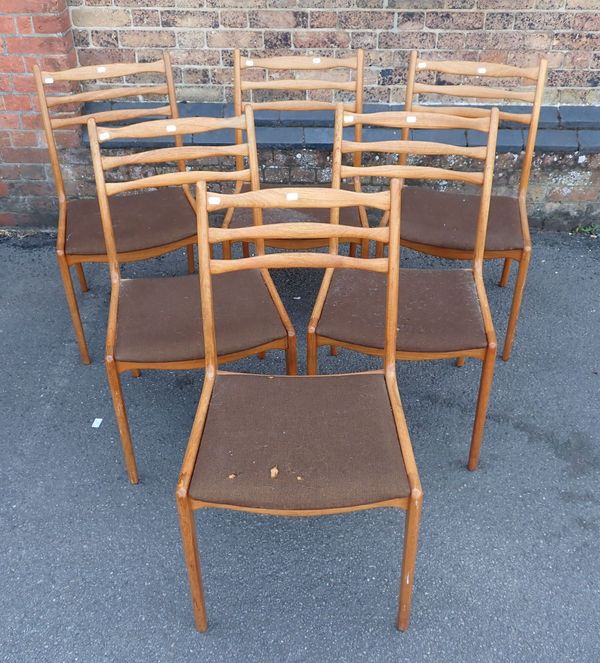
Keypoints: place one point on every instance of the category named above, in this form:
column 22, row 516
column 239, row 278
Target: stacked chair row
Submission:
column 321, row 465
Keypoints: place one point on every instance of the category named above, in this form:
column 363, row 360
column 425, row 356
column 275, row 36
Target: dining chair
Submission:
column 508, row 236
column 298, row 445
column 289, row 84
column 443, row 313
column 139, row 225
column 155, row 323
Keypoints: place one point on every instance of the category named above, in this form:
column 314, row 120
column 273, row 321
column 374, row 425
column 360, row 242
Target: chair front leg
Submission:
column 485, row 387
column 516, row 303
column 411, row 539
column 312, row 352
column 505, row 273
column 83, row 286
column 291, row 357
column 191, row 264
column 189, row 540
column 65, row 274
column 114, row 383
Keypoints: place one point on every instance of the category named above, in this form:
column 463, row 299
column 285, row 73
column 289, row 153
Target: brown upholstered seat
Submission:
column 448, row 219
column 159, row 319
column 243, row 217
column 331, row 438
column 140, row 221
column 438, row 310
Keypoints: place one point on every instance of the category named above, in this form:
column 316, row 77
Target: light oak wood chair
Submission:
column 286, row 84
column 156, row 322
column 508, row 235
column 302, row 445
column 443, row 313
column 139, row 227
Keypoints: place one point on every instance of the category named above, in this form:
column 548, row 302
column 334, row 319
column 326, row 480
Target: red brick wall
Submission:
column 201, row 33
column 30, row 31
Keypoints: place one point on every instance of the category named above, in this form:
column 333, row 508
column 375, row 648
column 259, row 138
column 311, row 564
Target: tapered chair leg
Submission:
column 114, row 382
column 73, row 308
column 516, row 303
column 226, row 250
column 83, row 286
column 505, row 273
column 312, row 351
column 411, row 539
column 245, row 249
column 191, row 264
column 352, row 250
column 135, row 372
column 333, row 350
column 460, row 362
column 364, row 248
column 261, row 355
column 291, row 358
column 192, row 560
column 485, row 387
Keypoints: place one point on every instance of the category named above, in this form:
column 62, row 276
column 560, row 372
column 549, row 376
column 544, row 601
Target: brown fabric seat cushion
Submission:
column 243, row 217
column 438, row 310
column 449, row 219
column 140, row 221
column 332, row 439
column 159, row 319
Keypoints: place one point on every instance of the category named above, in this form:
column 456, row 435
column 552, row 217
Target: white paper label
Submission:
column 214, row 200
column 411, row 119
column 481, row 70
column 348, row 118
column 97, row 423
column 101, row 70
column 48, row 80
column 422, row 65
column 171, row 127
column 104, row 135
column 291, row 196
column 316, row 60
column 249, row 63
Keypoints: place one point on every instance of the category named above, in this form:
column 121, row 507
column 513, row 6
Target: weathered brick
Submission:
column 233, row 19
column 373, row 20
column 189, row 19
column 100, row 17
column 52, row 23
column 454, row 20
column 277, row 19
column 321, row 39
column 147, row 38
column 238, row 38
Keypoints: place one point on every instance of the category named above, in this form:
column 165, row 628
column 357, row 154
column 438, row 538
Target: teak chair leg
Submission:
column 411, row 539
column 333, row 350
column 135, row 372
column 83, row 286
column 460, row 362
column 191, row 264
column 291, row 358
column 226, row 250
column 312, row 350
column 192, row 560
column 516, row 303
column 505, row 273
column 379, row 249
column 245, row 249
column 261, row 355
column 114, row 382
column 73, row 308
column 485, row 387
column 364, row 248
column 352, row 251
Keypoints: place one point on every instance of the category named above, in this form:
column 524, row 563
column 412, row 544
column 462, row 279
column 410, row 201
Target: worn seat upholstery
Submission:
column 448, row 219
column 438, row 310
column 140, row 221
column 159, row 319
column 332, row 439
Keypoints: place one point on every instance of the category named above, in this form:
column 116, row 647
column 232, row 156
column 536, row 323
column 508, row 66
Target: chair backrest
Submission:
column 302, row 198
column 66, row 104
column 487, row 123
column 528, row 87
column 179, row 155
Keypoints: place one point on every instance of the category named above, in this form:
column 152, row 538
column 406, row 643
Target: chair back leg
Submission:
column 516, row 303
column 65, row 274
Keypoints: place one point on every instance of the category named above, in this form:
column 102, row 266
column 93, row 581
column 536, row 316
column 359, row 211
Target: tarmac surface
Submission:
column 91, row 568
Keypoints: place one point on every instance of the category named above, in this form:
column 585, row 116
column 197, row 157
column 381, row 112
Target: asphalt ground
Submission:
column 508, row 569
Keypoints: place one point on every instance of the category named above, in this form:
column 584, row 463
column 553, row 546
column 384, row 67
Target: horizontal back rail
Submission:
column 163, row 155
column 97, row 72
column 490, row 69
column 302, row 260
column 298, row 62
column 418, row 120
column 303, row 198
column 103, row 95
column 109, row 116
column 298, row 84
column 413, row 173
column 298, row 230
column 299, row 105
column 414, row 147
column 473, row 111
column 171, row 127
column 474, row 91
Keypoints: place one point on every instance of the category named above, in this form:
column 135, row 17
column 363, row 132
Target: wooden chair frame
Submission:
column 487, row 123
column 537, row 76
column 294, row 64
column 181, row 177
column 45, row 79
column 333, row 233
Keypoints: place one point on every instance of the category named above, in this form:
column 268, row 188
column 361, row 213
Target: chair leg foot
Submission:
column 516, row 305
column 333, row 350
column 411, row 538
column 114, row 382
column 505, row 273
column 191, row 263
column 192, row 561
column 460, row 362
column 261, row 355
column 83, row 285
column 485, row 387
column 73, row 308
column 135, row 372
